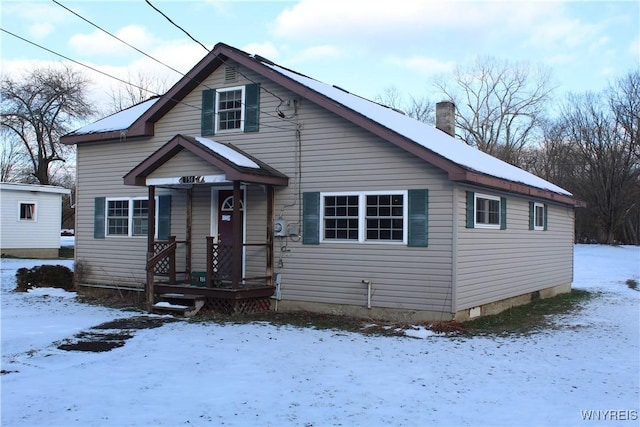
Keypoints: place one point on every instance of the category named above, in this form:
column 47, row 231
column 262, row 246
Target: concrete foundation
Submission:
column 377, row 313
column 505, row 304
column 34, row 253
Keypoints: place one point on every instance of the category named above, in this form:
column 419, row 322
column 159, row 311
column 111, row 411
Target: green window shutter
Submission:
column 470, row 209
column 99, row 217
column 418, row 233
column 251, row 107
column 503, row 213
column 532, row 215
column 311, row 218
column 208, row 123
column 545, row 218
column 164, row 217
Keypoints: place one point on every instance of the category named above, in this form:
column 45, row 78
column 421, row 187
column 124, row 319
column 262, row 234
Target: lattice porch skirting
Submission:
column 237, row 306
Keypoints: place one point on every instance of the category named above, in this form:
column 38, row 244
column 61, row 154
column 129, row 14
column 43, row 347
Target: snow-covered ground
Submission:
column 201, row 373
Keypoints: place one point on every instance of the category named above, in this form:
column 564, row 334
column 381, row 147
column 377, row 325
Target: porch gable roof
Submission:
column 235, row 163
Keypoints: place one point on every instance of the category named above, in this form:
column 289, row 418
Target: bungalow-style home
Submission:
column 31, row 220
column 248, row 186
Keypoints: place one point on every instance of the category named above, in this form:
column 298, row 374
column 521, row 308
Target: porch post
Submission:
column 187, row 262
column 270, row 219
column 151, row 232
column 236, row 253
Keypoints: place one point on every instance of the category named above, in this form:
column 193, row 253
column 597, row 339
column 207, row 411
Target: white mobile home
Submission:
column 248, row 183
column 31, row 220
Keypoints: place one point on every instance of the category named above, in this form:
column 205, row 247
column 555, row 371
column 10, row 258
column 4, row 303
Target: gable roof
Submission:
column 462, row 162
column 236, row 164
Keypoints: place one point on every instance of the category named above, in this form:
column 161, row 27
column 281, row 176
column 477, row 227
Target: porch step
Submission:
column 186, row 305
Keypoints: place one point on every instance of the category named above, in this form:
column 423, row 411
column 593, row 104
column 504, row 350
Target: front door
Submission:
column 225, row 231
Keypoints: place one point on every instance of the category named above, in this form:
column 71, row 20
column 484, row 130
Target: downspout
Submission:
column 368, row 282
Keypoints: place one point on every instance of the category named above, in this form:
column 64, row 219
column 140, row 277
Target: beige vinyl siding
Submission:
column 496, row 264
column 335, row 156
column 185, row 163
column 112, row 260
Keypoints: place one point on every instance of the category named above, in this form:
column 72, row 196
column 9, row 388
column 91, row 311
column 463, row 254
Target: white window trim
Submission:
column 130, row 218
column 35, row 211
column 217, row 104
column 475, row 212
column 362, row 204
column 536, row 227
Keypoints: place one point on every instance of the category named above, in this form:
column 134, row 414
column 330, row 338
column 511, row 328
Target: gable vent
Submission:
column 230, row 73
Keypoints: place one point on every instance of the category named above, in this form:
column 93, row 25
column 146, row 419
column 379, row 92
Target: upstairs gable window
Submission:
column 229, row 111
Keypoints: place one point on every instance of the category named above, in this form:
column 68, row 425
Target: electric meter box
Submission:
column 280, row 228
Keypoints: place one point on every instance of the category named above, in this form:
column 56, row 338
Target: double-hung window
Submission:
column 364, row 217
column 399, row 217
column 341, row 217
column 537, row 216
column 385, row 217
column 229, row 109
column 127, row 217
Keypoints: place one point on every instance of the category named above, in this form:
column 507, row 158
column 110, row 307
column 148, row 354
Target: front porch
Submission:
column 226, row 284
column 220, row 291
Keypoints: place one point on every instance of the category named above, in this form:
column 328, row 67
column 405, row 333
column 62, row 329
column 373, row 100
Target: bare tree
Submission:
column 500, row 105
column 39, row 108
column 11, row 157
column 141, row 87
column 421, row 109
column 604, row 130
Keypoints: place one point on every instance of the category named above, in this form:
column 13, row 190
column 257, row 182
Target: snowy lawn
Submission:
column 204, row 373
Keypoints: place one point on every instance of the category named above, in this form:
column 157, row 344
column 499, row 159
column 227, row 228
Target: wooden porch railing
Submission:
column 220, row 266
column 163, row 261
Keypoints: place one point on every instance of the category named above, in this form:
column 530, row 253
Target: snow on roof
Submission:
column 428, row 136
column 33, row 188
column 121, row 120
column 228, row 153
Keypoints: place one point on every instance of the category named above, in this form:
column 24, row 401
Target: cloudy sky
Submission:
column 364, row 46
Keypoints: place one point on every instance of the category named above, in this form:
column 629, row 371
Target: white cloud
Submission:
column 40, row 30
column 316, row 53
column 423, row 64
column 381, row 20
column 265, row 49
column 634, row 48
column 100, row 43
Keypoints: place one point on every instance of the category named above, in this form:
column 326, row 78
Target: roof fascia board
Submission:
column 514, row 187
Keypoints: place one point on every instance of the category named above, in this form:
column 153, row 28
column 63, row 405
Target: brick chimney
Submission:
column 446, row 117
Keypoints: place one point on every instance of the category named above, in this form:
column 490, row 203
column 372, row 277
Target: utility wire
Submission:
column 176, row 25
column 92, row 68
column 280, row 114
column 117, row 38
column 144, row 53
